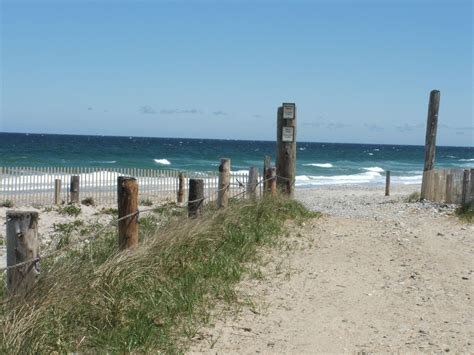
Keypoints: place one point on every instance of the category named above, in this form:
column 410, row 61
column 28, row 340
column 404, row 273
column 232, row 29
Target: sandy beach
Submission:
column 374, row 274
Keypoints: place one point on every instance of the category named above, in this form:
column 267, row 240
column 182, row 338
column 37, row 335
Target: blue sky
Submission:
column 359, row 71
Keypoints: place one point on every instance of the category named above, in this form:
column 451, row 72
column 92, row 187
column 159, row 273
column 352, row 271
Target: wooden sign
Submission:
column 287, row 134
column 288, row 111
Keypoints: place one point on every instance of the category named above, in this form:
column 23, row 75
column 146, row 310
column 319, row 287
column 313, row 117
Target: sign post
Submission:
column 286, row 148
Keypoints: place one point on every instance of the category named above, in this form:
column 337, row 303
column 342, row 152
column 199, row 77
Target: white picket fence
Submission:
column 26, row 186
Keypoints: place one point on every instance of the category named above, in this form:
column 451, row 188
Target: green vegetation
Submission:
column 414, row 197
column 7, row 204
column 146, row 202
column 71, row 210
column 466, row 212
column 95, row 299
column 88, row 201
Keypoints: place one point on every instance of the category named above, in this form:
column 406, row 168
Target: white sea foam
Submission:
column 375, row 169
column 363, row 178
column 371, row 153
column 104, row 161
column 162, row 161
column 323, row 165
column 466, row 159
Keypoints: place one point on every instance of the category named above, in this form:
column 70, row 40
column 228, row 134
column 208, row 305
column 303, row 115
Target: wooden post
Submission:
column 127, row 198
column 387, row 183
column 465, row 187
column 286, row 149
column 470, row 198
column 22, row 245
column 57, row 191
column 273, row 185
column 430, row 139
column 449, row 192
column 266, row 173
column 252, row 183
column 195, row 197
column 74, row 189
column 223, row 183
column 180, row 188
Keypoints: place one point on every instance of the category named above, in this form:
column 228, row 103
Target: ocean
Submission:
column 317, row 163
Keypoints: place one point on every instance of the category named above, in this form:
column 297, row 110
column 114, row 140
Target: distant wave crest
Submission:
column 374, row 169
column 323, row 165
column 466, row 159
column 162, row 161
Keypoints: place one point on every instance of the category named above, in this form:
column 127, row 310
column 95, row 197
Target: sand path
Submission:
column 375, row 274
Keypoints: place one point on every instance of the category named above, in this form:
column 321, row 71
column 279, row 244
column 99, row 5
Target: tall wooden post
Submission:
column 127, row 198
column 286, row 148
column 252, row 182
column 223, row 183
column 74, row 189
column 273, row 185
column 180, row 197
column 387, row 183
column 449, row 196
column 195, row 197
column 267, row 165
column 22, row 245
column 465, row 187
column 430, row 140
column 57, row 191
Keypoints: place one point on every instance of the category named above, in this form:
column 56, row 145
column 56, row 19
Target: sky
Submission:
column 358, row 71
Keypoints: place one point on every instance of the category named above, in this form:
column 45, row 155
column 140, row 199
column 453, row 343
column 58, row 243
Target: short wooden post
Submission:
column 74, row 189
column 273, row 182
column 430, row 139
column 286, row 148
column 180, row 197
column 57, row 191
column 252, row 182
column 266, row 173
column 449, row 193
column 387, row 183
column 22, row 245
column 127, row 198
column 195, row 197
column 465, row 187
column 223, row 183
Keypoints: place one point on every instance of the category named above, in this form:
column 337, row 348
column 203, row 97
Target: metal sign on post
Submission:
column 287, row 134
column 288, row 111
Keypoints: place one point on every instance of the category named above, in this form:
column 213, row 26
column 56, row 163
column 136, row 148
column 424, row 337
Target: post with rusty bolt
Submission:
column 180, row 187
column 387, row 183
column 74, row 189
column 195, row 197
column 57, row 191
column 22, row 245
column 223, row 183
column 127, row 199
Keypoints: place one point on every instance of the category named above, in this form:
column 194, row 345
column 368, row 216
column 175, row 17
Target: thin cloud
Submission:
column 373, row 127
column 147, row 110
column 176, row 111
column 257, row 116
column 409, row 128
column 220, row 113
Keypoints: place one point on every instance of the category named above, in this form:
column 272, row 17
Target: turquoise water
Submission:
column 317, row 163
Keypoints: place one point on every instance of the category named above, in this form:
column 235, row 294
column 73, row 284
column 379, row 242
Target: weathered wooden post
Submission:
column 471, row 189
column 127, row 198
column 267, row 165
column 273, row 184
column 252, row 183
column 286, row 148
column 430, row 140
column 195, row 197
column 22, row 245
column 465, row 187
column 180, row 197
column 449, row 192
column 387, row 183
column 57, row 191
column 223, row 183
column 74, row 189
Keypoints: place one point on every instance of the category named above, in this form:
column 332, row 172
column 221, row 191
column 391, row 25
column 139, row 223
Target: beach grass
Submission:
column 152, row 299
column 466, row 212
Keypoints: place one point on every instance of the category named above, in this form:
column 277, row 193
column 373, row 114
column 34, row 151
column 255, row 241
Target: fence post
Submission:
column 465, row 187
column 430, row 139
column 251, row 190
column 273, row 186
column 286, row 148
column 127, row 199
column 57, row 191
column 449, row 192
column 195, row 197
column 22, row 245
column 266, row 173
column 387, row 183
column 223, row 184
column 74, row 189
column 180, row 187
